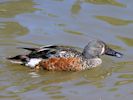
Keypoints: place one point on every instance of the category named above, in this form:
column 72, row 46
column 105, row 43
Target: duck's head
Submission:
column 96, row 48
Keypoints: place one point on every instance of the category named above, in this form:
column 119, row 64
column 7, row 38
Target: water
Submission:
column 35, row 23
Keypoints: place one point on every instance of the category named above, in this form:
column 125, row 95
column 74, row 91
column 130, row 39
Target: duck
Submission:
column 65, row 58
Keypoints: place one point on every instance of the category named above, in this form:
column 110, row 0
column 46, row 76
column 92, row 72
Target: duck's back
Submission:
column 52, row 51
column 58, row 58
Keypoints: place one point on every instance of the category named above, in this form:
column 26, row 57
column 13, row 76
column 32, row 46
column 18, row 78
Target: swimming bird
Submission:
column 64, row 58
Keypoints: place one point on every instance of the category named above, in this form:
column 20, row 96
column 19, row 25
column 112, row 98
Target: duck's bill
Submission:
column 112, row 52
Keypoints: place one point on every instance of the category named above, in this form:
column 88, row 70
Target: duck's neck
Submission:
column 91, row 63
column 95, row 62
column 86, row 55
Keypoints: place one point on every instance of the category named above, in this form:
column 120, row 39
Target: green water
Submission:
column 35, row 23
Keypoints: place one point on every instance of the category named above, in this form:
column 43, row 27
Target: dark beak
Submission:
column 112, row 52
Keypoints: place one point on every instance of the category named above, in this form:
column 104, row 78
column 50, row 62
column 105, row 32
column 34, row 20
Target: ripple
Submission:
column 73, row 32
column 114, row 21
column 126, row 76
column 109, row 2
column 126, row 40
column 12, row 8
column 12, row 29
column 113, row 89
column 51, row 88
column 123, row 82
column 34, row 74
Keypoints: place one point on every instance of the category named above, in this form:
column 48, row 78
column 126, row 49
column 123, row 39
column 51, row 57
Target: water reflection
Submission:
column 123, row 82
column 9, row 31
column 126, row 79
column 114, row 21
column 128, row 41
column 12, row 29
column 54, row 91
column 125, row 66
column 109, row 2
column 73, row 32
column 76, row 7
column 13, row 8
column 116, row 47
column 126, row 76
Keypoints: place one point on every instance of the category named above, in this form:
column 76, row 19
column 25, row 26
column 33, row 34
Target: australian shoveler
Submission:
column 64, row 58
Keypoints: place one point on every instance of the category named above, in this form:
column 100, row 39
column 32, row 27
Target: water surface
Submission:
column 35, row 23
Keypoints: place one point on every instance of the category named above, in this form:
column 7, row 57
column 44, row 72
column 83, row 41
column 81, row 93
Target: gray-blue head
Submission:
column 96, row 48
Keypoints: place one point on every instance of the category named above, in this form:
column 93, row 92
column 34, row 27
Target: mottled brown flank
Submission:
column 61, row 64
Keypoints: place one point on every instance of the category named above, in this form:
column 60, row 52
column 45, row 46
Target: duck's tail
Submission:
column 19, row 59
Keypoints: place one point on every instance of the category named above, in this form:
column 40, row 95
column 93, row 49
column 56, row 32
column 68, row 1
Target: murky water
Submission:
column 35, row 23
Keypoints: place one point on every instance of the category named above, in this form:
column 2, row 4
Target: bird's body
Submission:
column 64, row 58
